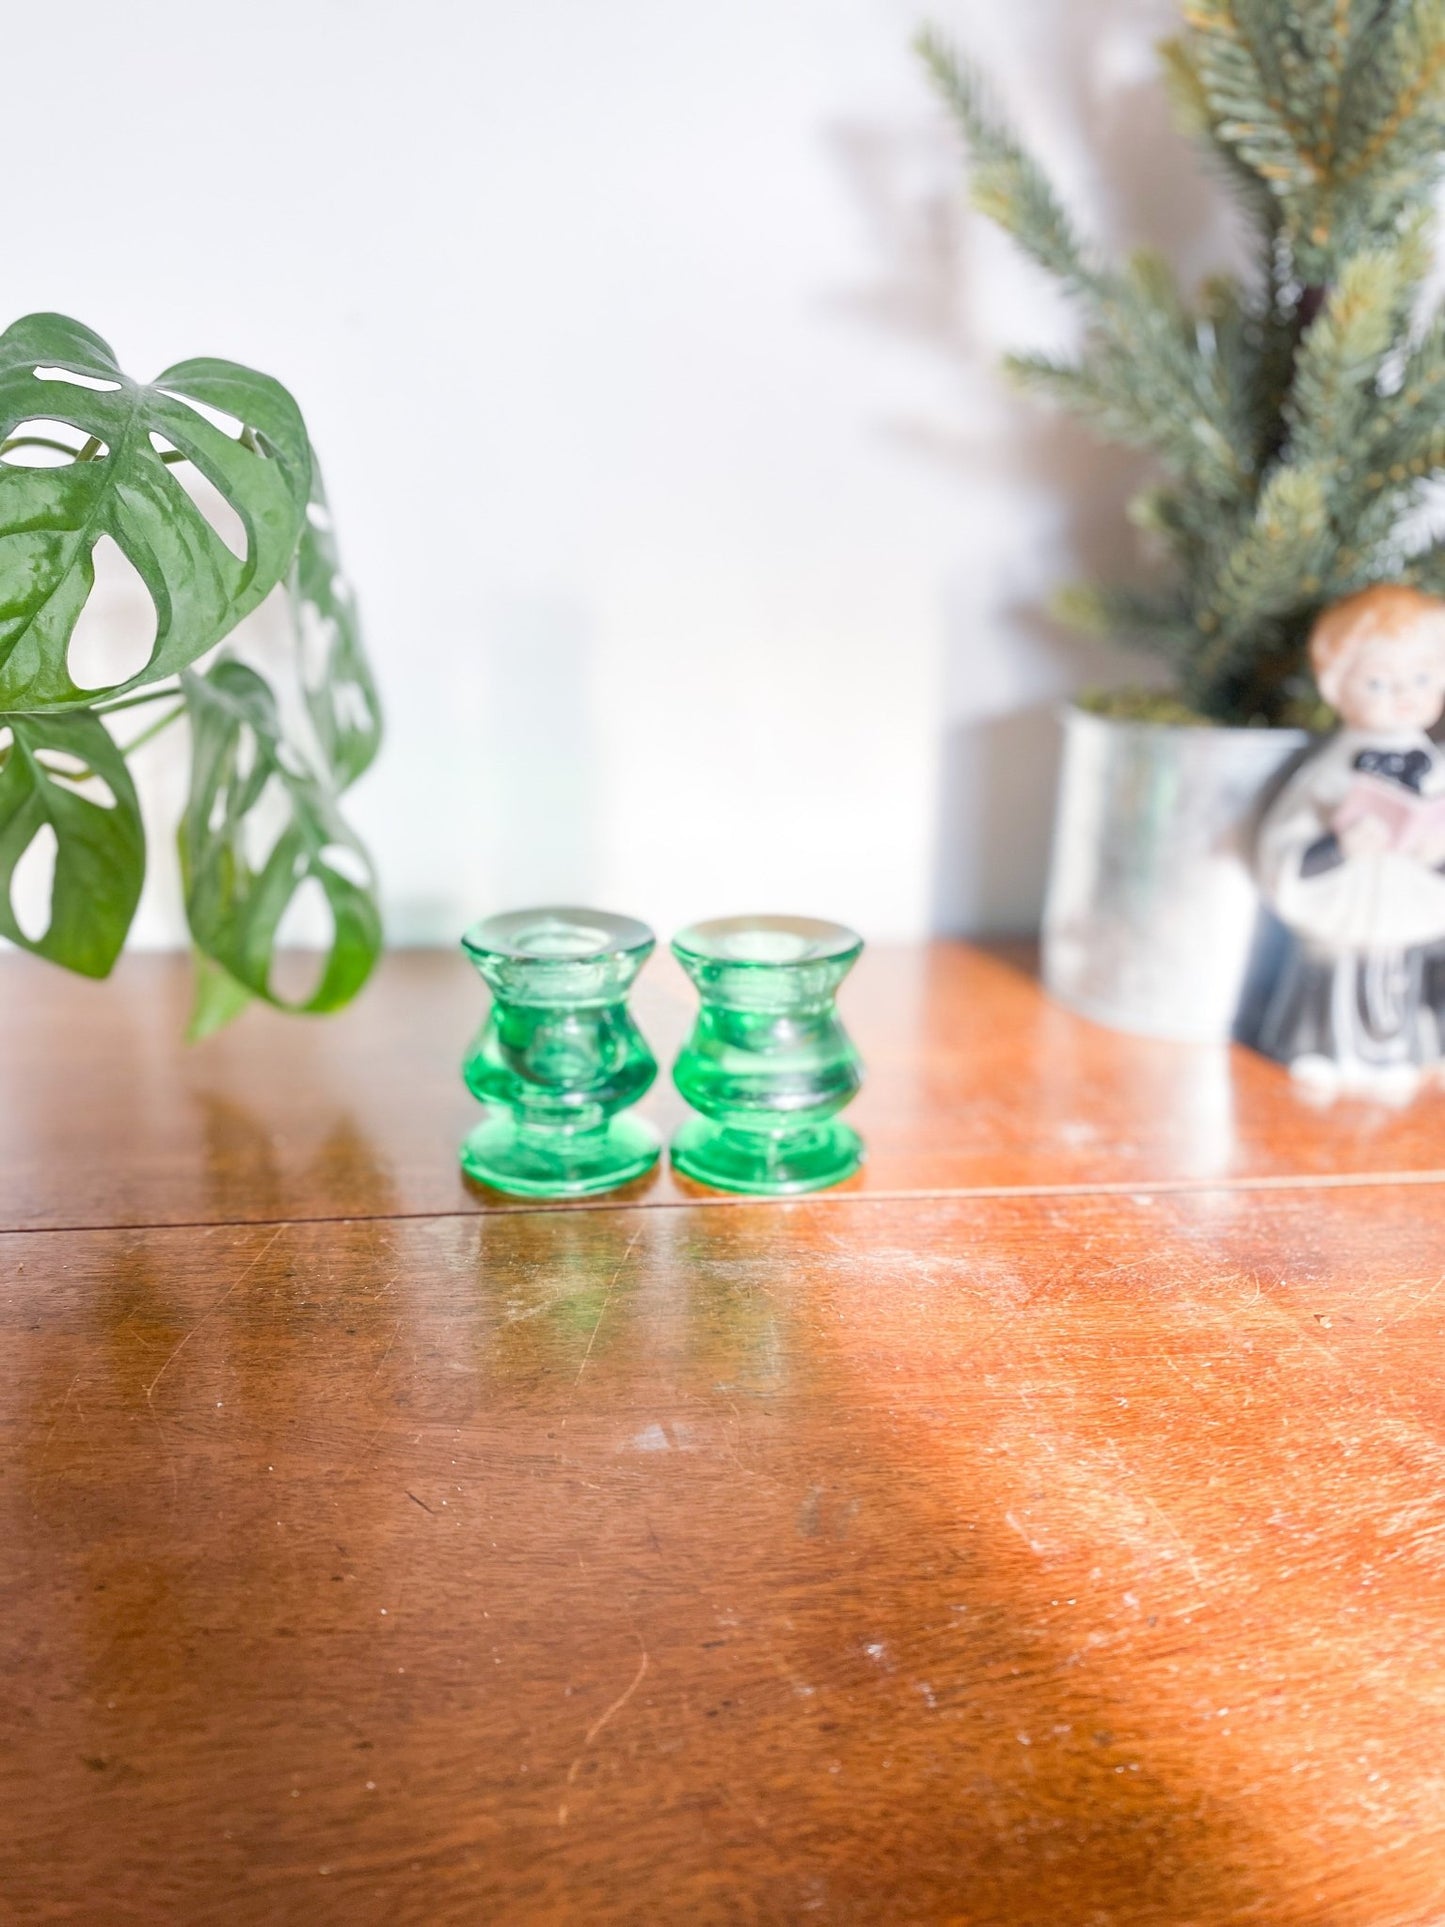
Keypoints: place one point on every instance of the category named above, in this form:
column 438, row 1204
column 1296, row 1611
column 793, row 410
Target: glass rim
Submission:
column 783, row 942
column 557, row 934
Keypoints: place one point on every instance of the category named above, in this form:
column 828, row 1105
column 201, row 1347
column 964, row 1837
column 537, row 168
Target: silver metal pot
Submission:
column 1152, row 922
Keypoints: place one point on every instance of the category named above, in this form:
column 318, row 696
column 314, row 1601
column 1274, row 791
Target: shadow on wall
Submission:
column 999, row 756
column 544, row 746
column 996, row 806
column 1061, row 494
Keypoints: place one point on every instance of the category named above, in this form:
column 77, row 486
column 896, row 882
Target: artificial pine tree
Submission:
column 1297, row 414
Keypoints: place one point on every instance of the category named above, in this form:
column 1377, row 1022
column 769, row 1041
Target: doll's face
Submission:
column 1393, row 683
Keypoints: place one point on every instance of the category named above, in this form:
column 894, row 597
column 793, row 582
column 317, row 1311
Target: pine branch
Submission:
column 1144, row 379
column 1299, row 55
column 1120, row 398
column 1426, row 570
column 1171, row 519
column 1007, row 183
column 1252, row 345
column 1145, row 346
column 1294, row 420
column 1394, row 107
column 1338, row 363
column 1407, row 425
column 1283, row 83
column 1135, row 617
column 1328, row 32
column 1261, row 575
column 1245, row 111
column 1194, row 117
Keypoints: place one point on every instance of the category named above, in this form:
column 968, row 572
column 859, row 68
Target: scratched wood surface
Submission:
column 975, row 1081
column 1020, row 1559
column 1050, row 1527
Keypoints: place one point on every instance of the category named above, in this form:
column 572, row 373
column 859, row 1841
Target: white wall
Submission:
column 650, row 351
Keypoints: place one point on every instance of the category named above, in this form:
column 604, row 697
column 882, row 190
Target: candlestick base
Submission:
column 530, row 1163
column 767, row 1166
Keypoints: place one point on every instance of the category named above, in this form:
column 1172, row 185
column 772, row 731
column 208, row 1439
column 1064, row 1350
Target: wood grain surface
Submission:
column 1007, row 1560
column 975, row 1081
column 1049, row 1528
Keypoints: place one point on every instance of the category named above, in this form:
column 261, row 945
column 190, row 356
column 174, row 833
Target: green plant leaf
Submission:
column 335, row 674
column 53, row 768
column 52, row 518
column 216, row 998
column 241, row 764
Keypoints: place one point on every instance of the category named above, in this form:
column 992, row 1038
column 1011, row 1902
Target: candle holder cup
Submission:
column 769, row 1064
column 559, row 1054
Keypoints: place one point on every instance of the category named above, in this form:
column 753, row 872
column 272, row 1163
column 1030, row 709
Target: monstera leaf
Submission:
column 336, row 684
column 121, row 485
column 336, row 677
column 244, row 773
column 52, row 770
column 261, row 822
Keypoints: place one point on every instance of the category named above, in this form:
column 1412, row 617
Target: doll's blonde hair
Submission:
column 1387, row 613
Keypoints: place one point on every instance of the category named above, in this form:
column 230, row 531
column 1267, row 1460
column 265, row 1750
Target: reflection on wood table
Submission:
column 984, row 1553
column 975, row 1081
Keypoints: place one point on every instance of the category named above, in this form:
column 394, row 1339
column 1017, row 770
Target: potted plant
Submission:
column 88, row 454
column 1296, row 416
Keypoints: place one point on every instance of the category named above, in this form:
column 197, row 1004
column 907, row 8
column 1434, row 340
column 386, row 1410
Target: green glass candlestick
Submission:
column 559, row 1054
column 769, row 1065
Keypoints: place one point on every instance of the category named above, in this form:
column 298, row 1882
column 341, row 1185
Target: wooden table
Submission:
column 1048, row 1527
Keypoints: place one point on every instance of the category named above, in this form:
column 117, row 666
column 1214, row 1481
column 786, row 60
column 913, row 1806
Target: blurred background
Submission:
column 650, row 351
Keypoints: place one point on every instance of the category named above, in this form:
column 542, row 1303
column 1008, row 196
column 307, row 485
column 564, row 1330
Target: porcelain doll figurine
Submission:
column 1351, row 855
